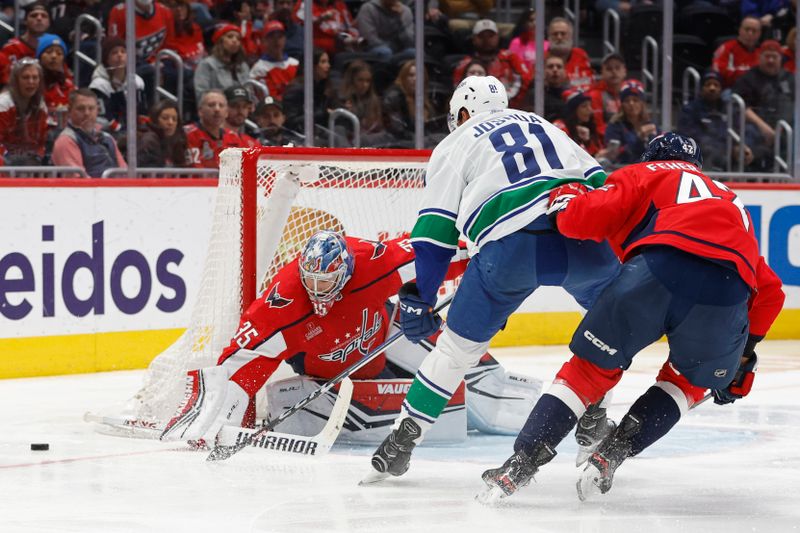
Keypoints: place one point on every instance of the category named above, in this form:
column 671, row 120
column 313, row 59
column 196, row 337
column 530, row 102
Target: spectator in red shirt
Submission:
column 576, row 60
column 605, row 93
column 240, row 106
column 154, row 25
column 579, row 123
column 163, row 143
column 23, row 116
column 240, row 14
column 58, row 82
column 334, row 29
column 186, row 38
column 206, row 138
column 502, row 64
column 276, row 69
column 736, row 56
column 37, row 22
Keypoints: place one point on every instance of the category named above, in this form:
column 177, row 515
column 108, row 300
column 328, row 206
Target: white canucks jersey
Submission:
column 492, row 176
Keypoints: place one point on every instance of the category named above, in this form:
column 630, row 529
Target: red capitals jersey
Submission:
column 151, row 32
column 56, row 96
column 579, row 70
column 281, row 323
column 330, row 21
column 509, row 69
column 14, row 50
column 202, row 148
column 189, row 47
column 732, row 60
column 276, row 75
column 673, row 203
column 605, row 104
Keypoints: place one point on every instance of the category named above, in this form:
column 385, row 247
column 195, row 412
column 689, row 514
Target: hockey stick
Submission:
column 222, row 452
column 316, row 445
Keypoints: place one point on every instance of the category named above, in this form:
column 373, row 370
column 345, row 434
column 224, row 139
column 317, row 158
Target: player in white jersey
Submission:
column 489, row 182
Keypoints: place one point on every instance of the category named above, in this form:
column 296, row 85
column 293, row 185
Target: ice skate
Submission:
column 592, row 428
column 516, row 472
column 394, row 454
column 598, row 475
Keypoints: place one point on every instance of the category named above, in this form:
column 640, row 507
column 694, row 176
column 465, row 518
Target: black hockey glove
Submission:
column 741, row 384
column 417, row 319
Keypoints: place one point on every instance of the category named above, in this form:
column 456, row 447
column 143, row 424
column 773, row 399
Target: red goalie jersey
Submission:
column 673, row 203
column 281, row 323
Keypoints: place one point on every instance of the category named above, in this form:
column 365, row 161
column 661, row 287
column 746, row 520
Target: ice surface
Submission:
column 728, row 469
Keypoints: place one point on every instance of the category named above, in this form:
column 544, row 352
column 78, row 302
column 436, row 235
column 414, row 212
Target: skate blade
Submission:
column 587, row 485
column 373, row 477
column 490, row 496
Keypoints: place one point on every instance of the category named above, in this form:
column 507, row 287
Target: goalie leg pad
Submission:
column 499, row 401
column 211, row 401
column 375, row 405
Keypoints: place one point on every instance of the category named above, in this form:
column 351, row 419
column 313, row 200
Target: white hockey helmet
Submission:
column 476, row 94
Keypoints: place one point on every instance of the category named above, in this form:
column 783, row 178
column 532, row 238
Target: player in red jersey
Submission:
column 691, row 271
column 321, row 313
column 206, row 138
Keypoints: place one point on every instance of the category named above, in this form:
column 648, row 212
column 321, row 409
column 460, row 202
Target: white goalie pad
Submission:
column 374, row 406
column 499, row 401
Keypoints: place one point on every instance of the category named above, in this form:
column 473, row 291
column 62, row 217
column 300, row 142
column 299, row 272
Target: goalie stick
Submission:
column 222, row 452
column 315, row 445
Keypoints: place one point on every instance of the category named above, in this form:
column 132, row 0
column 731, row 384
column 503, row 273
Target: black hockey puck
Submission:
column 40, row 446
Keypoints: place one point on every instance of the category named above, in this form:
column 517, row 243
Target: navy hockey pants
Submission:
column 506, row 271
column 700, row 305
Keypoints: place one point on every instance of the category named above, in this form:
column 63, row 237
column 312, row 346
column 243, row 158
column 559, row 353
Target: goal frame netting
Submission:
column 259, row 198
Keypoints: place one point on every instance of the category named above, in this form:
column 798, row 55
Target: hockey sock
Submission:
column 425, row 401
column 657, row 412
column 549, row 422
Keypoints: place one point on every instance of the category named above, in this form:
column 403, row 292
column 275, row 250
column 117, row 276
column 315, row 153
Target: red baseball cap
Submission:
column 273, row 25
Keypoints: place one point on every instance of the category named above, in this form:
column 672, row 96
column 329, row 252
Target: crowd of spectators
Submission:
column 363, row 62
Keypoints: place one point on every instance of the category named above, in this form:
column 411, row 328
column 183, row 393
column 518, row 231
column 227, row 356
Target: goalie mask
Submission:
column 477, row 94
column 326, row 265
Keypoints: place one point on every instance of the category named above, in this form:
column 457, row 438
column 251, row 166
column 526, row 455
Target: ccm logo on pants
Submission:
column 597, row 342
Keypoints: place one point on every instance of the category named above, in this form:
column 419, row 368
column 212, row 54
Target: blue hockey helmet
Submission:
column 673, row 146
column 326, row 265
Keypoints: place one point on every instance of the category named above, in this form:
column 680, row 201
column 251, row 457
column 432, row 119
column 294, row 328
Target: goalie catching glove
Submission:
column 417, row 319
column 560, row 198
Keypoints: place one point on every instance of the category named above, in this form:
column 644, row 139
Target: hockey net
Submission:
column 269, row 202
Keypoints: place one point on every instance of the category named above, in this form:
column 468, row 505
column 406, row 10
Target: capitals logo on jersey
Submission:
column 275, row 300
column 378, row 248
column 362, row 342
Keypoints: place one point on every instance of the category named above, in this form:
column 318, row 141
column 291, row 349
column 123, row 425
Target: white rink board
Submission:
column 173, row 223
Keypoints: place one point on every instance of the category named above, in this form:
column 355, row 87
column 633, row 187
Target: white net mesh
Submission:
column 297, row 195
